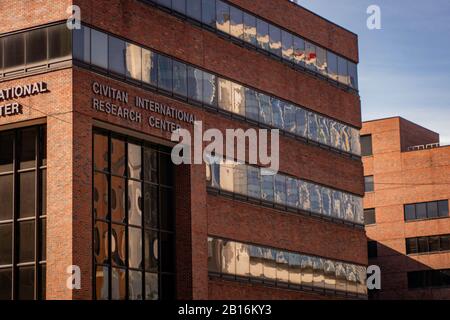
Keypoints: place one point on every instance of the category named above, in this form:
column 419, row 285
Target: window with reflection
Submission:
column 310, row 56
column 14, row 52
column 209, row 13
column 133, row 230
column 164, row 73
column 116, row 55
column 23, row 214
column 262, row 34
column 287, row 45
column 277, row 113
column 99, row 49
column 426, row 210
column 223, row 16
column 179, row 6
column 209, row 89
column 343, row 71
column 275, row 40
column 133, row 59
column 194, row 9
column 299, row 51
column 250, row 29
column 332, row 64
column 265, row 109
column 251, row 104
column 236, row 23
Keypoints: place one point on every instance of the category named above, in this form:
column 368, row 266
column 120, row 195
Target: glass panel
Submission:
column 332, row 66
column 432, row 209
column 353, row 75
column 26, row 241
column 289, row 115
column 277, row 113
column 287, row 41
column 99, row 52
column 423, row 244
column 14, row 52
column 6, row 197
column 242, row 260
column 118, row 284
column 369, row 216
column 366, row 145
column 36, row 46
column 209, row 89
column 304, row 194
column 135, row 248
column 194, row 9
column 299, row 51
column 149, row 67
column 135, row 285
column 227, row 175
column 240, row 179
column 337, row 205
column 118, row 199
column 236, row 23
column 341, row 277
column 348, row 207
column 318, row 279
column 167, row 252
column 433, row 243
column 100, row 196
column 361, row 275
column 6, row 156
column 101, row 155
column 445, row 243
column 179, row 6
column 238, row 96
column 369, row 184
column 351, row 279
column 151, row 251
column 270, row 263
column 292, row 192
column 166, row 209
column 282, row 267
column 250, row 29
column 165, row 73
column 256, row 262
column 228, row 257
column 251, row 104
column 335, row 135
column 27, row 196
column 301, row 118
column 151, row 286
column 295, row 269
column 280, row 189
column 330, row 275
column 214, row 255
column 307, row 270
column 195, row 84
column 254, row 182
column 118, row 157
column 135, row 203
column 265, row 111
column 133, row 59
column 5, row 244
column 59, row 42
column 262, row 30
column 412, row 246
column 275, row 40
column 324, row 130
column 5, row 284
column 223, row 16
column 410, row 212
column 313, row 126
column 150, row 165
column 345, row 138
column 421, row 211
column 355, row 141
column 209, row 12
column 326, row 201
column 27, row 146
column 82, row 44
column 358, row 209
column 25, row 283
column 101, row 243
column 343, row 71
column 151, row 206
column 267, row 190
column 311, row 56
column 134, row 161
column 316, row 198
column 118, row 245
column 224, row 96
column 101, row 283
column 322, row 61
column 443, row 208
column 179, row 78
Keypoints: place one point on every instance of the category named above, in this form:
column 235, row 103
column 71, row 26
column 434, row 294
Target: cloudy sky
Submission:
column 405, row 66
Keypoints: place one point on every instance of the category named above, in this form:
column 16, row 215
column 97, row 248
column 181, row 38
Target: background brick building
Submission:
column 406, row 208
column 202, row 59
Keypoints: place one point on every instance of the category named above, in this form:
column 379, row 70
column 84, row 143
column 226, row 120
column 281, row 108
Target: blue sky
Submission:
column 404, row 67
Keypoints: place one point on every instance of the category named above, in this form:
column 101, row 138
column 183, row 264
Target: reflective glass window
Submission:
column 324, row 130
column 307, row 271
column 267, row 188
column 118, row 284
column 195, row 84
column 242, row 260
column 282, row 261
column 5, row 284
column 262, row 31
column 311, row 56
column 214, row 255
column 36, row 46
column 6, row 156
column 369, row 216
column 250, row 29
column 289, row 117
column 292, row 196
column 348, row 207
column 410, row 212
column 118, row 199
column 443, row 208
column 236, row 23
column 353, row 75
column 319, row 279
column 432, row 209
column 338, row 211
column 6, row 197
column 151, row 251
column 366, row 145
column 240, row 179
column 351, row 279
column 14, row 52
column 223, row 16
column 149, row 67
column 332, row 65
column 6, row 241
column 254, row 182
column 355, row 141
column 134, row 248
column 369, row 184
column 209, row 12
column 341, row 277
column 194, row 9
column 27, row 194
column 326, row 201
column 301, row 119
column 423, row 244
column 224, row 96
column 228, row 257
column 313, row 126
column 304, row 196
column 343, row 71
column 165, row 73
column 270, row 264
column 256, row 262
column 238, row 99
column 316, row 198
column 275, row 40
column 277, row 113
column 133, row 58
column 280, row 189
column 227, row 175
column 99, row 49
column 82, row 44
column 295, row 269
column 287, row 41
column 421, row 211
column 299, row 51
column 209, row 89
column 265, row 109
column 322, row 65
column 251, row 104
column 135, row 285
column 59, row 42
column 179, row 6
column 330, row 275
column 179, row 78
column 116, row 55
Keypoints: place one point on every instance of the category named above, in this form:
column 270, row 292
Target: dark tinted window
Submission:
column 59, row 41
column 209, row 12
column 369, row 184
column 428, row 244
column 443, row 208
column 369, row 216
column 99, row 49
column 366, row 145
column 372, row 249
column 410, row 212
column 165, row 73
column 179, row 6
column 194, row 9
column 429, row 279
column 14, row 51
column 421, row 211
column 423, row 244
column 36, row 46
column 6, row 197
column 411, row 246
column 116, row 54
column 179, row 78
column 432, row 209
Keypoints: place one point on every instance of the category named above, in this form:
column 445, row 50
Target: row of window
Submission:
column 35, row 48
column 283, row 268
column 265, row 36
column 428, row 244
column 282, row 190
column 134, row 220
column 132, row 62
column 426, row 210
column 429, row 279
column 23, row 214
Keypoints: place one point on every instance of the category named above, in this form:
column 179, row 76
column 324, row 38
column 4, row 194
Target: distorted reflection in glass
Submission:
column 318, row 278
column 165, row 75
column 134, row 161
column 224, row 94
column 240, row 179
column 345, row 138
column 236, row 23
column 322, row 65
column 332, row 66
column 311, row 56
column 135, row 203
column 135, row 285
column 313, row 126
column 180, row 78
column 250, row 29
column 149, row 67
column 265, row 112
column 134, row 248
column 133, row 61
column 209, row 13
column 270, row 264
column 275, row 40
column 280, row 189
column 330, row 275
column 223, row 16
column 151, row 206
column 228, row 257
column 295, row 269
column 326, row 201
column 337, row 204
column 118, row 284
column 100, row 196
column 151, row 251
column 194, row 9
column 242, row 259
column 351, row 278
column 151, row 286
column 348, row 207
column 101, row 282
column 101, row 157
column 358, row 209
column 324, row 130
column 267, row 188
column 290, row 123
column 316, row 198
column 101, row 243
column 227, row 175
column 292, row 191
column 299, row 51
column 262, row 30
column 361, row 275
column 214, row 255
column 335, row 135
column 118, row 245
column 341, row 276
column 251, row 104
column 254, row 182
column 256, row 262
column 287, row 41
column 282, row 266
column 307, row 270
column 304, row 196
column 209, row 89
column 301, row 118
column 118, row 199
column 277, row 113
column 118, row 157
column 238, row 99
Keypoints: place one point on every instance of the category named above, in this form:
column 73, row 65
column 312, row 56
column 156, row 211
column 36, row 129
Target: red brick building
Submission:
column 86, row 179
column 406, row 208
